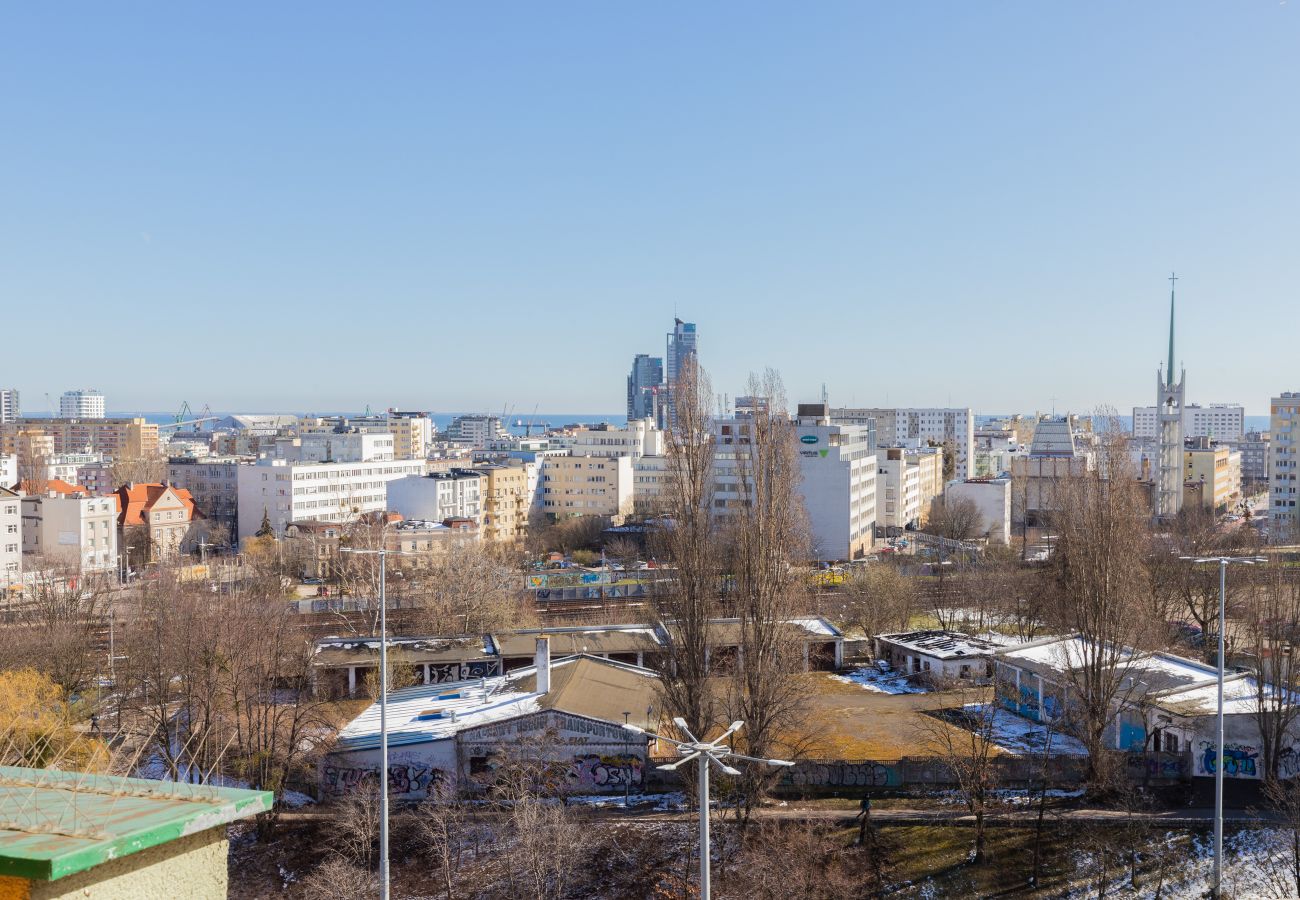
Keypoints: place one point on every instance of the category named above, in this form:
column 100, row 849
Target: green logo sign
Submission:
column 809, row 438
column 823, row 453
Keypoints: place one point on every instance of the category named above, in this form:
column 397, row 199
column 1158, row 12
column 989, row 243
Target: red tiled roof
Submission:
column 58, row 485
column 134, row 501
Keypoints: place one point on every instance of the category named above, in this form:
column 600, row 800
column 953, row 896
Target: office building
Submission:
column 643, row 388
column 329, row 492
column 915, row 427
column 336, row 446
column 1054, row 455
column 477, row 431
column 683, row 354
column 85, row 404
column 1284, row 426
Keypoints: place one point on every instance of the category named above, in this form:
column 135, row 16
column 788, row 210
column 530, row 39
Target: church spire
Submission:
column 1169, row 372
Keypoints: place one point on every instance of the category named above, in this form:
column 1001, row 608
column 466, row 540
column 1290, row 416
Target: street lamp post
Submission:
column 382, row 553
column 1223, row 562
column 706, row 752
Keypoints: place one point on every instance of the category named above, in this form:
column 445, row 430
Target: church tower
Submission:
column 1168, row 495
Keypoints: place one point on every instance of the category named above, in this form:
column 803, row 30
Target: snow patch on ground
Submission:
column 1256, row 863
column 881, row 682
column 1021, row 736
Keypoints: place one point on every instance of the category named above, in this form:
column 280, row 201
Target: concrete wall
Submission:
column 193, row 867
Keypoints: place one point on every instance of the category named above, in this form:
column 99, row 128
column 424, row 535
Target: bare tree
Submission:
column 767, row 535
column 1100, row 576
column 689, row 541
column 876, row 599
column 437, row 825
column 967, row 750
column 955, row 518
column 467, row 589
column 338, row 879
column 1270, row 626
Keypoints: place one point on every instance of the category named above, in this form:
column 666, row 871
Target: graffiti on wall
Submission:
column 863, row 774
column 1238, row 760
column 1171, row 766
column 1288, row 762
column 443, row 673
column 403, row 778
column 593, row 772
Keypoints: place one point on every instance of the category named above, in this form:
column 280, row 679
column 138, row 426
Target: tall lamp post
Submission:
column 383, row 554
column 1223, row 561
column 706, row 752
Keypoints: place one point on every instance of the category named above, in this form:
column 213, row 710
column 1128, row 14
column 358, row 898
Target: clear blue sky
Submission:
column 455, row 206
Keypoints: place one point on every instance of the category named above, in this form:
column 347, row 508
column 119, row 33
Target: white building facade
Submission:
column 918, row 427
column 1220, row 421
column 329, row 492
column 85, row 404
column 838, row 465
column 9, row 408
column 11, row 537
column 992, row 498
column 71, row 529
column 455, row 493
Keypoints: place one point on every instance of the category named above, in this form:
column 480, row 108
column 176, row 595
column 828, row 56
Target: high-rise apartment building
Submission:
column 644, row 386
column 1284, row 426
column 9, row 409
column 84, row 404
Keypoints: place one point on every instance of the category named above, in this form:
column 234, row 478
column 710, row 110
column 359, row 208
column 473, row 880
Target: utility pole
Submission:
column 382, row 553
column 1216, row 887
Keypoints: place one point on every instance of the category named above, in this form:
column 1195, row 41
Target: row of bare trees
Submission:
column 737, row 533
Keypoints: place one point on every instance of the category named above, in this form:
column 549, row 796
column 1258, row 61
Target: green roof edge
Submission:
column 227, row 805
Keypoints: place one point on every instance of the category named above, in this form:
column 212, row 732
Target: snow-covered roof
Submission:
column 432, row 712
column 941, row 644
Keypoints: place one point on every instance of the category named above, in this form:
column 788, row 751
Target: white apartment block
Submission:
column 329, row 446
column 71, row 529
column 81, row 405
column 649, row 481
column 586, row 486
column 898, row 489
column 9, row 408
column 1220, row 421
column 640, row 437
column 11, row 537
column 453, row 494
column 329, row 492
column 1284, row 427
column 919, row 426
column 67, row 466
column 8, row 470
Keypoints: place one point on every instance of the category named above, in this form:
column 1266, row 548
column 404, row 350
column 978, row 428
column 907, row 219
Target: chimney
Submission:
column 543, row 662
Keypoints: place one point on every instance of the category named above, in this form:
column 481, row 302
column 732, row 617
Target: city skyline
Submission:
column 879, row 199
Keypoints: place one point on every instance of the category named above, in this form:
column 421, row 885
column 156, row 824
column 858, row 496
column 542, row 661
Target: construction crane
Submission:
column 528, row 430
